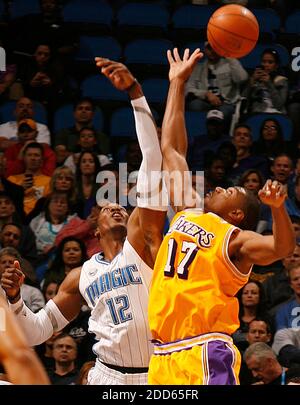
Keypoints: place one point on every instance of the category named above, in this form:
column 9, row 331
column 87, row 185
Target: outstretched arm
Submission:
column 174, row 136
column 145, row 224
column 252, row 248
column 19, row 360
column 65, row 306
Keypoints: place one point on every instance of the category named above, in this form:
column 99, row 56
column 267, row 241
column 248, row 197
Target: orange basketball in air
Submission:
column 232, row 31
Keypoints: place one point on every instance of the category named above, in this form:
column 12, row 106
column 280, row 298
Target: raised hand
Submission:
column 182, row 68
column 119, row 75
column 11, row 280
column 273, row 194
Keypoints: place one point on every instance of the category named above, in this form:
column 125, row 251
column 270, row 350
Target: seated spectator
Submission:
column 87, row 170
column 70, row 253
column 270, row 142
column 215, row 175
column 27, row 132
column 48, row 223
column 87, row 143
column 50, row 288
column 64, row 353
column 62, row 180
column 13, row 190
column 293, row 203
column 43, row 78
column 245, row 160
column 48, row 25
column 287, row 314
column 34, row 183
column 202, row 148
column 282, row 169
column 287, row 346
column 293, row 104
column 21, row 238
column 259, row 331
column 277, row 287
column 83, row 229
column 215, row 84
column 9, row 130
column 253, row 180
column 32, row 296
column 66, row 140
column 252, row 305
column 262, row 362
column 267, row 90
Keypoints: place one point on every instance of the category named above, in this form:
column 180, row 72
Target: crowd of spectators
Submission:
column 49, row 180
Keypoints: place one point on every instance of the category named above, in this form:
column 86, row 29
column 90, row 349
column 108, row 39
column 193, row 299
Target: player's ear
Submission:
column 236, row 216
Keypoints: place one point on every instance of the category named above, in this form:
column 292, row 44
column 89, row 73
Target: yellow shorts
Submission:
column 210, row 359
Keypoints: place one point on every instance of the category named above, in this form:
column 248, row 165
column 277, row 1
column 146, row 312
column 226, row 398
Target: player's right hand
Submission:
column 182, row 68
column 11, row 280
column 119, row 75
column 273, row 194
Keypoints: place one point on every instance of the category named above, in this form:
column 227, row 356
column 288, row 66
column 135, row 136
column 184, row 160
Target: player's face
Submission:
column 222, row 201
column 112, row 215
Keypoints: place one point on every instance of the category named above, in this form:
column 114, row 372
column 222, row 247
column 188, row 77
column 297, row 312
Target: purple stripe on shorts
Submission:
column 220, row 360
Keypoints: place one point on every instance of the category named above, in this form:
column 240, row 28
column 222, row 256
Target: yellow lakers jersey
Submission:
column 194, row 281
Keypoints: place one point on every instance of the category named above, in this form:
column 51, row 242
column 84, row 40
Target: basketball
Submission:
column 232, row 31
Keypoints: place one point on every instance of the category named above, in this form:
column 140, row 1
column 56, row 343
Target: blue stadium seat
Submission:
column 195, row 123
column 88, row 11
column 147, row 51
column 148, row 16
column 269, row 22
column 91, row 46
column 7, row 112
column 192, row 17
column 255, row 121
column 292, row 23
column 64, row 118
column 122, row 123
column 19, row 8
column 253, row 58
column 155, row 90
column 99, row 87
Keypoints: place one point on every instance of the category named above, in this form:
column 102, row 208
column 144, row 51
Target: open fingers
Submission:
column 170, row 56
column 186, row 54
column 176, row 55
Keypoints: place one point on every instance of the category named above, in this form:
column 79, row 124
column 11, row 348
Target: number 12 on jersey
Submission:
column 190, row 250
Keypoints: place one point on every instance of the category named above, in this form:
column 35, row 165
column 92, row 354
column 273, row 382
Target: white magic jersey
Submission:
column 117, row 294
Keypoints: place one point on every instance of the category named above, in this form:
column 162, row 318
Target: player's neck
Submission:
column 111, row 247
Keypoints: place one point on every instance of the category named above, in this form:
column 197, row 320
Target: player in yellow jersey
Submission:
column 204, row 259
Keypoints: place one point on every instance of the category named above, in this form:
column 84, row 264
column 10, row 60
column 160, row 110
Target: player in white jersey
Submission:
column 115, row 283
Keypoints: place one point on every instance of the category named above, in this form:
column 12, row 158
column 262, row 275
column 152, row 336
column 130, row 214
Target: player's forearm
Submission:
column 38, row 327
column 283, row 232
column 173, row 128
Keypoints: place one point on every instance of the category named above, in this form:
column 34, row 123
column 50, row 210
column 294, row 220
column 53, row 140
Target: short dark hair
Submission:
column 84, row 100
column 33, row 145
column 272, row 51
column 242, row 125
column 251, row 211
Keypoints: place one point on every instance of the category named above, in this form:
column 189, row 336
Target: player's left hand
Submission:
column 182, row 68
column 273, row 194
column 118, row 74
